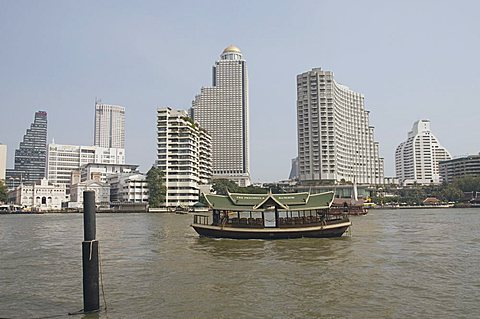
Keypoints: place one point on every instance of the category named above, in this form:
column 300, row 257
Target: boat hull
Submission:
column 319, row 231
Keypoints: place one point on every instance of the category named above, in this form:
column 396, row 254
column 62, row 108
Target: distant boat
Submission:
column 270, row 216
column 348, row 206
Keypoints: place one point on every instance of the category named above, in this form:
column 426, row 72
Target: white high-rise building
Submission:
column 335, row 140
column 63, row 159
column 223, row 111
column 184, row 151
column 417, row 159
column 109, row 126
column 3, row 161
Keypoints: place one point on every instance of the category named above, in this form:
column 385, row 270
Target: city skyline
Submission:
column 400, row 68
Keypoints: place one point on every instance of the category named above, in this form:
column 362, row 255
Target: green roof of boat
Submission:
column 260, row 202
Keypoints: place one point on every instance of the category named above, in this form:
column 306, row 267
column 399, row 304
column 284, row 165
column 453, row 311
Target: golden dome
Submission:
column 232, row 48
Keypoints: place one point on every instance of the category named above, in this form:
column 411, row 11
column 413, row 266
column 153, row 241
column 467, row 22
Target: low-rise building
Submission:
column 40, row 196
column 89, row 171
column 128, row 188
column 102, row 193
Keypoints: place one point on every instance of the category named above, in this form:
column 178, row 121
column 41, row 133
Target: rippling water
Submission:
column 396, row 264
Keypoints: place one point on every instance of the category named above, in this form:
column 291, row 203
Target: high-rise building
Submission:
column 184, row 151
column 223, row 111
column 3, row 161
column 31, row 156
column 109, row 126
column 294, row 169
column 335, row 140
column 63, row 159
column 417, row 159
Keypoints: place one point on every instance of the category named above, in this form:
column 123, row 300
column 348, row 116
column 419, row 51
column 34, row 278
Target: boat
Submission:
column 348, row 206
column 270, row 216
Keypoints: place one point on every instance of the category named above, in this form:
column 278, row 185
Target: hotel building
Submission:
column 335, row 140
column 109, row 126
column 417, row 159
column 222, row 110
column 184, row 154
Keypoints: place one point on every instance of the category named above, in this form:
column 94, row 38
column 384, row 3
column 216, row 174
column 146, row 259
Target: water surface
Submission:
column 395, row 264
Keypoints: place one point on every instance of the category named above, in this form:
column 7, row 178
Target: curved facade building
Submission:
column 417, row 159
column 223, row 111
column 335, row 140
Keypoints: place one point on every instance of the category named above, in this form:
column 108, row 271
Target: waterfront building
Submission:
column 109, row 126
column 3, row 161
column 63, row 159
column 128, row 188
column 184, row 154
column 222, row 110
column 102, row 193
column 417, row 159
column 459, row 167
column 335, row 140
column 31, row 156
column 39, row 196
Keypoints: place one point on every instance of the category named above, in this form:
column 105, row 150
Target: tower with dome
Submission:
column 222, row 110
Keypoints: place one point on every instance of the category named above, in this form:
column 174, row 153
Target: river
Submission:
column 395, row 264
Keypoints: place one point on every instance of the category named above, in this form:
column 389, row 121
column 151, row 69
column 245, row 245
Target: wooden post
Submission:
column 91, row 298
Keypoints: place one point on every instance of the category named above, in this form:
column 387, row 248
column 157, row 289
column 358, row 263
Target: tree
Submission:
column 468, row 183
column 452, row 193
column 156, row 187
column 3, row 192
column 221, row 185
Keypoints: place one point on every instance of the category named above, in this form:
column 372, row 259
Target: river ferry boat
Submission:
column 270, row 216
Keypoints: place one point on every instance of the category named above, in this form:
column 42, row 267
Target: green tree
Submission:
column 3, row 192
column 468, row 183
column 156, row 187
column 221, row 185
column 451, row 193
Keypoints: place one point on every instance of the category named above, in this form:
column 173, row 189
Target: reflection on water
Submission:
column 396, row 264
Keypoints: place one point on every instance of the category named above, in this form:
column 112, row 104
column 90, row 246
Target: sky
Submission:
column 412, row 60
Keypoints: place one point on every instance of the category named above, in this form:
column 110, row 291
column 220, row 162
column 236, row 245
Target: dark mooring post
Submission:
column 91, row 299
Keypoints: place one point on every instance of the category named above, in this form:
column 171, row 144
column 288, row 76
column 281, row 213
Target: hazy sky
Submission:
column 411, row 59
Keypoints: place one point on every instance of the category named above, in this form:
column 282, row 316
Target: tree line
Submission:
column 415, row 194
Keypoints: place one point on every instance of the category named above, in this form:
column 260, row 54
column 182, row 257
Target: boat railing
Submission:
column 284, row 221
column 200, row 219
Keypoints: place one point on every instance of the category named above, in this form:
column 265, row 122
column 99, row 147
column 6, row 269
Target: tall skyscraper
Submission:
column 184, row 152
column 31, row 156
column 109, row 125
column 223, row 111
column 417, row 159
column 335, row 140
column 3, row 161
